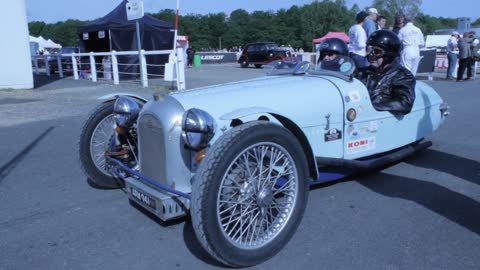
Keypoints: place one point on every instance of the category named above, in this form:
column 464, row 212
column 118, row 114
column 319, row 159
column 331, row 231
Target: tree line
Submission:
column 296, row 26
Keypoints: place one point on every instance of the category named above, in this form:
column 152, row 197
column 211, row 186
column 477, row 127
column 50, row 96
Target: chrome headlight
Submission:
column 444, row 109
column 198, row 128
column 126, row 111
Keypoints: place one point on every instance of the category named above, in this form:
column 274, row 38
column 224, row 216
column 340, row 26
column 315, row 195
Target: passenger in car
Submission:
column 391, row 86
column 332, row 54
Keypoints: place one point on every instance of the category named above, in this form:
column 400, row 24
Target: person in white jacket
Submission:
column 412, row 39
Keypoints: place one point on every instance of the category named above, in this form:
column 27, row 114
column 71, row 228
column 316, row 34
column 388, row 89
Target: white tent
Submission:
column 33, row 39
column 45, row 44
column 51, row 44
column 435, row 41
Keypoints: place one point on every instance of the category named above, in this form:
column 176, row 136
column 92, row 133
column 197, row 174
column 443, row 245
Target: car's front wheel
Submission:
column 249, row 194
column 96, row 134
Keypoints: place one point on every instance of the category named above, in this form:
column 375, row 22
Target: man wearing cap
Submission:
column 452, row 54
column 369, row 25
column 412, row 39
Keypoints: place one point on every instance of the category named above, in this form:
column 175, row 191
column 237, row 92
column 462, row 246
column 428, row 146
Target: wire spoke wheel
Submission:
column 99, row 141
column 249, row 193
column 257, row 195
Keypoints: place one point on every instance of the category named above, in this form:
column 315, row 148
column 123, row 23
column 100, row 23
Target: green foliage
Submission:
column 429, row 24
column 296, row 26
column 64, row 33
column 410, row 8
column 477, row 22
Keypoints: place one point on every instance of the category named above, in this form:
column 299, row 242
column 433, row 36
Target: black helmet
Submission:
column 334, row 45
column 383, row 44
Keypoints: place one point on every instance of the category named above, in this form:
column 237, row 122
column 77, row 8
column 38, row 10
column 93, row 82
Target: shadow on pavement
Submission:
column 10, row 165
column 42, row 79
column 195, row 247
column 189, row 237
column 450, row 204
column 460, row 167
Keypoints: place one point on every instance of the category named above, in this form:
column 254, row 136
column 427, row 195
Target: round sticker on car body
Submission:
column 345, row 67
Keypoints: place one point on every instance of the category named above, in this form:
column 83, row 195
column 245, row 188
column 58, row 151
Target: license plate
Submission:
column 143, row 198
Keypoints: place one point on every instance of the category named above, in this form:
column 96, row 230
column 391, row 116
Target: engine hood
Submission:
column 299, row 98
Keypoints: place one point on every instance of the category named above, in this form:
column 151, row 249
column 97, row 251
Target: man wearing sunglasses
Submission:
column 391, row 86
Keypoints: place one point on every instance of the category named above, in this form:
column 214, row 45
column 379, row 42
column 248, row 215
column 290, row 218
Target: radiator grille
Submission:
column 152, row 148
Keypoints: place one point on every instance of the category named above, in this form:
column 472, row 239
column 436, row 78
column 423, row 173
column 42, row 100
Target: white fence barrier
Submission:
column 109, row 65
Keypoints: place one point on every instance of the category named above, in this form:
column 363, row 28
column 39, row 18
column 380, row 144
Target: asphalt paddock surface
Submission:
column 421, row 213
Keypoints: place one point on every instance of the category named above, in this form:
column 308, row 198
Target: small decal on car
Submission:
column 354, row 96
column 333, row 135
column 345, row 67
column 373, row 126
column 359, row 110
column 361, row 145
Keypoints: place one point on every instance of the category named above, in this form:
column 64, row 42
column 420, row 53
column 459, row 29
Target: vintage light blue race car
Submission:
column 240, row 157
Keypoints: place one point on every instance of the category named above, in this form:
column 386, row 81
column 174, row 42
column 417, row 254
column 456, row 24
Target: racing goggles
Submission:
column 375, row 53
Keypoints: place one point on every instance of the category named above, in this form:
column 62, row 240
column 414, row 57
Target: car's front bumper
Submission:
column 159, row 199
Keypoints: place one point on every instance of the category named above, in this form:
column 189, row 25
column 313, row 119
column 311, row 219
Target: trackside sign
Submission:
column 134, row 9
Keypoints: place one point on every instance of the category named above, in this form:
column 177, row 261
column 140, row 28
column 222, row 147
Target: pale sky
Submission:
column 51, row 11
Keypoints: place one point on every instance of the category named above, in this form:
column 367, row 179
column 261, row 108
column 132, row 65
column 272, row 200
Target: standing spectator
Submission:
column 190, row 55
column 464, row 56
column 412, row 39
column 452, row 54
column 399, row 23
column 358, row 41
column 381, row 21
column 369, row 25
column 473, row 63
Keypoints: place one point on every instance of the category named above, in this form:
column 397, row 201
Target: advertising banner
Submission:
column 217, row 58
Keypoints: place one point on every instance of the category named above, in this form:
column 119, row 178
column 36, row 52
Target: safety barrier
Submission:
column 86, row 66
column 441, row 61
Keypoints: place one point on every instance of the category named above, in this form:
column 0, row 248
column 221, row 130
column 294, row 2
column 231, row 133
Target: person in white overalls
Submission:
column 107, row 67
column 412, row 39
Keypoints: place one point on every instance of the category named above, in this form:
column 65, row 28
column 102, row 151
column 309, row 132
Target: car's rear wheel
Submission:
column 258, row 65
column 249, row 194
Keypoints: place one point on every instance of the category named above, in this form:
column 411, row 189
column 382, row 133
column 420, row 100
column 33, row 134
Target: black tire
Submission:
column 209, row 180
column 258, row 65
column 95, row 176
column 244, row 63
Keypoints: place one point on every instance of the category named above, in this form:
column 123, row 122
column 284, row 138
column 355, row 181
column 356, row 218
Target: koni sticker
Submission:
column 361, row 145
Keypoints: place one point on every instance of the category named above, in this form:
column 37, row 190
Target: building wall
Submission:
column 15, row 67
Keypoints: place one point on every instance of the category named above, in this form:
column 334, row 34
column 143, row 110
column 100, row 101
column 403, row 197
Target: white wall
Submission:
column 15, row 67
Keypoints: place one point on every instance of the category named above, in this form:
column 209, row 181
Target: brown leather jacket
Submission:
column 392, row 89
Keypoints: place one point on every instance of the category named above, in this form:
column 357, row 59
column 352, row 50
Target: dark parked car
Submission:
column 66, row 60
column 261, row 53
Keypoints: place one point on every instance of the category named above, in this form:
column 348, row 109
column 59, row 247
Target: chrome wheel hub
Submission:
column 265, row 198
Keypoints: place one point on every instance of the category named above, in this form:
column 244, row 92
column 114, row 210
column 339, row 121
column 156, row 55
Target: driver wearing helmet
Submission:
column 332, row 53
column 391, row 86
